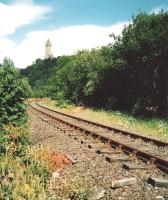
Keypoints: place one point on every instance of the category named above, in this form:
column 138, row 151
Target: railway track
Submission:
column 109, row 128
column 100, row 134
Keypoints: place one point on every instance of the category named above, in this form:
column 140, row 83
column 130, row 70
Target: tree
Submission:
column 144, row 48
column 128, row 75
column 13, row 91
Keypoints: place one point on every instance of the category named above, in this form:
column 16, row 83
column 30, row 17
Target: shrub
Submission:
column 22, row 175
column 14, row 141
column 79, row 195
column 13, row 91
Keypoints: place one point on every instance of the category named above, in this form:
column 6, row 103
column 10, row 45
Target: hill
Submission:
column 40, row 71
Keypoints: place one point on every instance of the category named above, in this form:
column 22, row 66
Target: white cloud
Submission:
column 65, row 41
column 18, row 14
column 6, row 47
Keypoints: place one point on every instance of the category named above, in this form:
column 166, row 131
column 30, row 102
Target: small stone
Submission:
column 121, row 198
column 55, row 175
column 124, row 182
column 100, row 195
column 158, row 182
column 159, row 198
column 125, row 194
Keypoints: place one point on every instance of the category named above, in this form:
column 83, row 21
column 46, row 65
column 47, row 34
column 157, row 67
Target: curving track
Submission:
column 95, row 130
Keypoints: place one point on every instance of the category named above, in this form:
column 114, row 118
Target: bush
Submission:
column 13, row 91
column 129, row 75
column 22, row 175
column 79, row 195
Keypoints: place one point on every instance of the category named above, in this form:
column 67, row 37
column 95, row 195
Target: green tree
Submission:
column 39, row 74
column 143, row 47
column 13, row 91
column 130, row 74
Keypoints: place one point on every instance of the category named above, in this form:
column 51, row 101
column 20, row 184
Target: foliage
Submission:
column 78, row 190
column 143, row 48
column 129, row 75
column 155, row 127
column 25, row 171
column 79, row 195
column 13, row 141
column 38, row 75
column 22, row 175
column 13, row 90
column 79, row 79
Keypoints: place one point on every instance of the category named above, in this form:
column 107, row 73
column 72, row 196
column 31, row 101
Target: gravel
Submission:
column 92, row 170
column 148, row 147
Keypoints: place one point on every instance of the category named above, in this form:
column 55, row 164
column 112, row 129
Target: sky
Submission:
column 71, row 25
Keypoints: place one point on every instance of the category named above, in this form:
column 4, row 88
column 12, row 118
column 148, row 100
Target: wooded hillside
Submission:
column 130, row 74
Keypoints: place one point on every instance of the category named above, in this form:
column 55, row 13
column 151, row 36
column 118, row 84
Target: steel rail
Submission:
column 148, row 158
column 110, row 128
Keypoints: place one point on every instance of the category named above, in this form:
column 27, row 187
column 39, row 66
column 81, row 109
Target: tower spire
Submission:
column 48, row 46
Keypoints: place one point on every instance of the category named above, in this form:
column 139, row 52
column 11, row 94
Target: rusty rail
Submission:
column 110, row 128
column 148, row 158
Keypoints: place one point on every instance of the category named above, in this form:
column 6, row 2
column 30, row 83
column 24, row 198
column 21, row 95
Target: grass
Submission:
column 73, row 188
column 26, row 171
column 157, row 128
column 22, row 175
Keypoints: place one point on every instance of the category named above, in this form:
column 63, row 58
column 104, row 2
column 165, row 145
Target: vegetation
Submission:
column 13, row 91
column 142, row 50
column 22, row 175
column 154, row 127
column 25, row 171
column 38, row 75
column 129, row 75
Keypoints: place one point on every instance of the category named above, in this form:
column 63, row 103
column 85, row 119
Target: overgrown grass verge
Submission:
column 26, row 171
column 157, row 128
column 73, row 188
column 22, row 175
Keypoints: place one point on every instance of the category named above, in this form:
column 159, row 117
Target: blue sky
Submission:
column 70, row 25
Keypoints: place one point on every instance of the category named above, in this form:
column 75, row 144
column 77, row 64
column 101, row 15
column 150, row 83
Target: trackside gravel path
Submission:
column 92, row 170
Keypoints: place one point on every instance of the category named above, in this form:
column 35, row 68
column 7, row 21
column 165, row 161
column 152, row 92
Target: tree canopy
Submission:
column 129, row 74
column 13, row 91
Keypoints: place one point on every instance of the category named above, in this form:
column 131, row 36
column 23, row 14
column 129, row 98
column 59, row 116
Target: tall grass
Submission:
column 157, row 128
column 26, row 171
column 22, row 175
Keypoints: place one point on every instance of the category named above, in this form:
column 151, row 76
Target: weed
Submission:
column 155, row 127
column 22, row 176
column 79, row 195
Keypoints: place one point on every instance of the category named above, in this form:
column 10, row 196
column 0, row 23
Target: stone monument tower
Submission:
column 48, row 53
